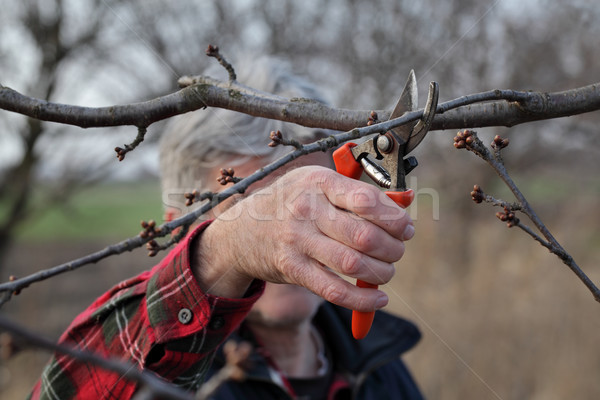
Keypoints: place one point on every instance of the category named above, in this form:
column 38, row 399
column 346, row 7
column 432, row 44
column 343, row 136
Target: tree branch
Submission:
column 499, row 108
column 519, row 108
column 151, row 386
column 7, row 289
column 469, row 140
column 213, row 51
column 158, row 387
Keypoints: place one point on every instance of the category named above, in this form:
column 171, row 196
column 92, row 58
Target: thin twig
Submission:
column 152, row 387
column 153, row 247
column 277, row 139
column 213, row 51
column 470, row 141
column 478, row 196
column 534, row 235
column 121, row 152
column 158, row 387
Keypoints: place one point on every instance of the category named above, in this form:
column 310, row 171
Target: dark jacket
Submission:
column 372, row 366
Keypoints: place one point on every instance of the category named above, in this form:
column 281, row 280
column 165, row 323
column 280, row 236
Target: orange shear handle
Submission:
column 346, row 164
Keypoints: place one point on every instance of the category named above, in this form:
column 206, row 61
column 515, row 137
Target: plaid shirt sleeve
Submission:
column 159, row 320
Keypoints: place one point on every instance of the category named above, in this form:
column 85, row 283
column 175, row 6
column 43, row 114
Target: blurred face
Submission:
column 281, row 305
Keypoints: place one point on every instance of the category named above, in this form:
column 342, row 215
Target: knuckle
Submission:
column 287, row 257
column 351, row 263
column 300, row 209
column 363, row 197
column 363, row 238
column 314, row 174
column 289, row 239
column 285, row 264
column 333, row 293
column 292, row 269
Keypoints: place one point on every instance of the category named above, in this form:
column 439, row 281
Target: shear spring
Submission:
column 375, row 172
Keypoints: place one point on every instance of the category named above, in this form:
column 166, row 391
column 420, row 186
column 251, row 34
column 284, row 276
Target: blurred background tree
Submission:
column 499, row 320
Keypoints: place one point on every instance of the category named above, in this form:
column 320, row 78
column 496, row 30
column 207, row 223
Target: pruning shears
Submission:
column 390, row 149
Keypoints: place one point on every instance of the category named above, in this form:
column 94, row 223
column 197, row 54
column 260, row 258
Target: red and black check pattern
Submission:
column 137, row 321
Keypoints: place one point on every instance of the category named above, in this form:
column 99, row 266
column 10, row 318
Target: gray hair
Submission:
column 197, row 142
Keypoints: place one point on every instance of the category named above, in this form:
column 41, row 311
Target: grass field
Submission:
column 109, row 210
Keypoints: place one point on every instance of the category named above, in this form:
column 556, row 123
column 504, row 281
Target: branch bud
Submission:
column 477, row 194
column 212, row 51
column 463, row 139
column 499, row 143
column 120, row 153
column 13, row 278
column 276, row 138
column 152, row 247
column 373, row 118
column 508, row 216
column 227, row 176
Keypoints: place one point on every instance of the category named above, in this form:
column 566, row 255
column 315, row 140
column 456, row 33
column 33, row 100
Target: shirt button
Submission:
column 185, row 316
column 216, row 322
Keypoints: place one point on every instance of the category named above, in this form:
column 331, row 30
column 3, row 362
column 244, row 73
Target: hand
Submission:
column 306, row 228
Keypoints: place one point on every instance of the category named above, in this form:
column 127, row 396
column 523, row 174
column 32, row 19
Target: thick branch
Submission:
column 526, row 107
column 501, row 107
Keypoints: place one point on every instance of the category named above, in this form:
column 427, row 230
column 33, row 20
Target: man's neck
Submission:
column 293, row 349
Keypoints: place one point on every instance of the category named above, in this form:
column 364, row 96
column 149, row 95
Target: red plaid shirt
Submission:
column 159, row 321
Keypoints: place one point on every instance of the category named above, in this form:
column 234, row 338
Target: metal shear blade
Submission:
column 407, row 102
column 422, row 127
column 392, row 146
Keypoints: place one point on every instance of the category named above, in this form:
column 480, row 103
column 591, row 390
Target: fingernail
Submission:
column 409, row 232
column 381, row 302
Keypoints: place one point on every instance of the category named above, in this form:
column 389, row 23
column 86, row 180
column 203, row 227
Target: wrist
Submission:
column 214, row 264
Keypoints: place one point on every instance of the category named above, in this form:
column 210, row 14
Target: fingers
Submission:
column 303, row 187
column 307, row 237
column 349, row 262
column 368, row 202
column 361, row 235
column 331, row 287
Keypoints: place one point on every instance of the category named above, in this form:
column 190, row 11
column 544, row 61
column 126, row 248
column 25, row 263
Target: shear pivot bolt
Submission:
column 384, row 144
